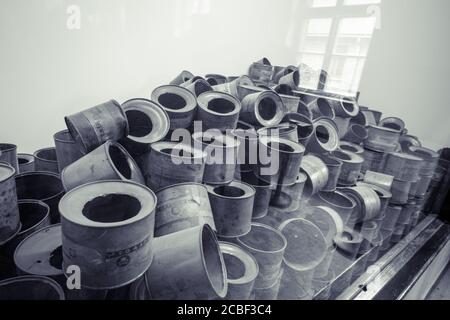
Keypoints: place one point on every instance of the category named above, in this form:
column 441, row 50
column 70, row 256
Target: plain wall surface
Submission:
column 126, row 48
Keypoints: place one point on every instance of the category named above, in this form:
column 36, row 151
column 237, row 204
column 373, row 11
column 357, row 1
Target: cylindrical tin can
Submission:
column 232, row 207
column 267, row 245
column 392, row 215
column 351, row 147
column 260, row 72
column 321, row 107
column 356, row 134
column 283, row 161
column 9, row 210
column 292, row 284
column 400, row 191
column 46, row 160
column 43, row 186
column 263, row 109
column 30, row 288
column 170, row 163
column 292, row 79
column 382, row 139
column 403, row 166
column 305, row 127
column 373, row 160
column 218, row 110
column 181, row 207
column 270, row 292
column 334, row 169
column 351, row 167
column 284, row 130
column 179, row 103
column 200, row 86
column 262, row 196
column 317, row 175
column 393, row 123
column 148, row 123
column 368, row 204
column 422, row 185
column 108, row 162
column 287, row 198
column 337, row 201
column 325, row 138
column 242, row 270
column 343, row 125
column 8, row 154
column 222, row 152
column 93, row 127
column 67, row 150
column 379, row 179
column 188, row 265
column 107, row 230
column 231, row 87
column 26, row 163
column 182, row 78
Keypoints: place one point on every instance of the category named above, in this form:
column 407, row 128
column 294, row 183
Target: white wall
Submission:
column 125, row 48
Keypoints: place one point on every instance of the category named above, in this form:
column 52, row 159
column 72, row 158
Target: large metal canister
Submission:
column 222, row 155
column 351, row 168
column 321, row 107
column 373, row 160
column 67, row 150
column 170, row 163
column 267, row 245
column 107, row 230
column 9, row 210
column 110, row 161
column 93, row 127
column 325, row 138
column 46, row 160
column 403, row 166
column 26, row 162
column 181, row 207
column 263, row 109
column 148, row 123
column 179, row 103
column 382, row 139
column 260, row 72
column 43, row 186
column 188, row 265
column 232, row 207
column 31, row 288
column 8, row 154
column 218, row 110
column 242, row 270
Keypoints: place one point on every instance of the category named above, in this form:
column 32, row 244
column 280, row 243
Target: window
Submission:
column 336, row 38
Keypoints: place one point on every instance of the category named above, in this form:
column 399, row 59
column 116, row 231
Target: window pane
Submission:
column 354, row 36
column 345, row 74
column 323, row 3
column 310, row 66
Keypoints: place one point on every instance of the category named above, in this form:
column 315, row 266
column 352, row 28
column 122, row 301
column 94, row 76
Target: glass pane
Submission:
column 345, row 74
column 310, row 66
column 323, row 3
column 354, row 36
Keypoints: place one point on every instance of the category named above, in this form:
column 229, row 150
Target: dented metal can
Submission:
column 67, row 150
column 9, row 210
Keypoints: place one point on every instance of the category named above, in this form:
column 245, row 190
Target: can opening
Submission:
column 263, row 239
column 181, row 153
column 324, row 108
column 31, row 214
column 267, row 109
column 201, row 87
column 342, row 155
column 120, row 161
column 393, row 126
column 47, row 154
column 349, row 107
column 349, row 148
column 56, row 258
column 39, row 186
column 235, row 267
column 112, row 208
column 220, row 105
column 24, row 161
column 322, row 134
column 213, row 261
column 7, row 147
column 140, row 124
column 230, row 192
column 172, row 101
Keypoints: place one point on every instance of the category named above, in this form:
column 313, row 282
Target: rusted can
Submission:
column 263, row 109
column 400, row 191
column 337, row 201
column 285, row 130
column 30, row 288
column 262, row 196
column 285, row 158
column 373, row 160
column 44, row 186
column 317, row 175
column 232, row 207
column 170, row 163
column 26, row 162
column 393, row 213
column 108, row 162
column 267, row 245
column 181, row 207
column 260, row 72
column 179, row 103
column 46, row 160
column 334, row 171
column 403, row 166
column 321, row 107
column 67, row 150
column 8, row 154
column 182, row 78
column 351, row 167
column 94, row 218
column 292, row 79
column 34, row 215
column 351, row 147
column 218, row 110
column 242, row 270
column 356, row 134
column 305, row 127
column 188, row 265
column 287, row 198
column 148, row 122
column 9, row 210
column 325, row 138
column 93, row 127
column 221, row 160
column 382, row 139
